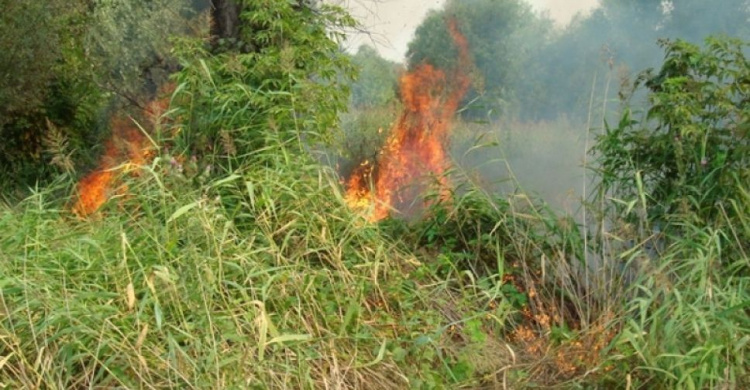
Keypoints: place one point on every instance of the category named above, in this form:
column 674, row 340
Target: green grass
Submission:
column 264, row 279
column 255, row 274
column 162, row 289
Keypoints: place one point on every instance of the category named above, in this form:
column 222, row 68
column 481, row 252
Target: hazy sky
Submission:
column 392, row 22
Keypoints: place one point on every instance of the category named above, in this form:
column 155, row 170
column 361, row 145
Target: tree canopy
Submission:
column 377, row 79
column 525, row 67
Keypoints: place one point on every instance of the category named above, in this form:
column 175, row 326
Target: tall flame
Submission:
column 128, row 146
column 417, row 143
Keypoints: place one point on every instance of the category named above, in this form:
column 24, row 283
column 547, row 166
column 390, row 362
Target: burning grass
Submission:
column 176, row 296
column 417, row 145
column 129, row 147
column 263, row 277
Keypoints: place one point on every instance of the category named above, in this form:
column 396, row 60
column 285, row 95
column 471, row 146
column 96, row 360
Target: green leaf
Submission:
column 182, row 210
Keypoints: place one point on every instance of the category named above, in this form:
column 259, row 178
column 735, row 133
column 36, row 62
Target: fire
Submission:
column 128, row 146
column 417, row 143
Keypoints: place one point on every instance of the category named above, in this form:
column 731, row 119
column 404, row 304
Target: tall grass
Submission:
column 259, row 276
column 164, row 289
column 263, row 278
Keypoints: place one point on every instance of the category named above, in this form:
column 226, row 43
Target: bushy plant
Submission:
column 65, row 67
column 292, row 82
column 676, row 182
column 688, row 160
column 127, row 42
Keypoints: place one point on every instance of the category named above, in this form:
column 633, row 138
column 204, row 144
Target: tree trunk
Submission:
column 226, row 25
column 226, row 20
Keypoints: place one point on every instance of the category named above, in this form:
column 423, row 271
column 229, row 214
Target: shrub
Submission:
column 688, row 160
column 679, row 178
column 291, row 83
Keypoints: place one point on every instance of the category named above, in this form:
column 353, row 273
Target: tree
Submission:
column 29, row 50
column 65, row 66
column 126, row 41
column 612, row 43
column 502, row 37
column 289, row 81
column 230, row 31
column 35, row 85
column 694, row 20
column 377, row 80
column 225, row 20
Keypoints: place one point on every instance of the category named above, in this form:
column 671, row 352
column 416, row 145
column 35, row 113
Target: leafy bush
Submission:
column 679, row 182
column 688, row 161
column 291, row 83
column 65, row 67
column 128, row 43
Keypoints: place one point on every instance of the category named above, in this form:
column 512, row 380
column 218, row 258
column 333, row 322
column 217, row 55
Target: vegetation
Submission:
column 377, row 81
column 529, row 70
column 230, row 258
column 66, row 67
column 677, row 181
column 690, row 152
column 491, row 27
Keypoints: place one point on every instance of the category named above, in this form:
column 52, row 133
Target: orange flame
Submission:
column 417, row 143
column 128, row 146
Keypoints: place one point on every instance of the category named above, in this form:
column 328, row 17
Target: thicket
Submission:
column 245, row 268
column 686, row 159
column 66, row 68
column 674, row 183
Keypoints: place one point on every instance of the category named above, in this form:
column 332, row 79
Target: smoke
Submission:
column 390, row 24
column 544, row 89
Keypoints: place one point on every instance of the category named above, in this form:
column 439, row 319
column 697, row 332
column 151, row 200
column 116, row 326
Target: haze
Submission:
column 391, row 23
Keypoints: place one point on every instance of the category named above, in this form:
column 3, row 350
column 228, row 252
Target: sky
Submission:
column 391, row 23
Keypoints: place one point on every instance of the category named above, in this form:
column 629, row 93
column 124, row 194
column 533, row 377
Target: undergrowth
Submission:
column 164, row 290
column 251, row 272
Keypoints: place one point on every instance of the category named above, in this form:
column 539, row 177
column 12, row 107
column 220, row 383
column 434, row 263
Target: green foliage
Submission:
column 44, row 94
column 691, row 20
column 125, row 40
column 65, row 66
column 29, row 49
column 163, row 289
column 493, row 239
column 260, row 276
column 688, row 161
column 616, row 40
column 527, row 69
column 678, row 178
column 291, row 84
column 687, row 324
column 497, row 32
column 377, row 80
column 472, row 234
